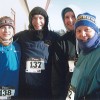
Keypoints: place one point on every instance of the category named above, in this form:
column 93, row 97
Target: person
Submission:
column 69, row 15
column 35, row 70
column 65, row 56
column 10, row 60
column 85, row 82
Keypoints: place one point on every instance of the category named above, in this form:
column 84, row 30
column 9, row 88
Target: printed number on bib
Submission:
column 34, row 65
column 71, row 93
column 6, row 92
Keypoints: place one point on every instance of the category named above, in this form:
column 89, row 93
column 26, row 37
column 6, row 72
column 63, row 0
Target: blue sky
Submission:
column 56, row 6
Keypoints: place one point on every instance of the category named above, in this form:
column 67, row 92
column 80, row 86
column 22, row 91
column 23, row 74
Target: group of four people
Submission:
column 38, row 64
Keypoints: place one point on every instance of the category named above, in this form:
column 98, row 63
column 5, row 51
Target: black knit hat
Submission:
column 36, row 11
column 6, row 21
column 64, row 11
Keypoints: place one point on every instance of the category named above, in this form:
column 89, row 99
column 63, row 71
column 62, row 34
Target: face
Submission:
column 38, row 22
column 84, row 33
column 6, row 32
column 69, row 20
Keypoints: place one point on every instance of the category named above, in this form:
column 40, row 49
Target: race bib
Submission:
column 34, row 65
column 6, row 93
column 71, row 65
column 71, row 94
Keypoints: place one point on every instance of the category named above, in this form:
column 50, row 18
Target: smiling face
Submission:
column 38, row 22
column 69, row 20
column 84, row 33
column 6, row 32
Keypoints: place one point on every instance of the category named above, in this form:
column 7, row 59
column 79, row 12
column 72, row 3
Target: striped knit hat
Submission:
column 6, row 21
column 86, row 19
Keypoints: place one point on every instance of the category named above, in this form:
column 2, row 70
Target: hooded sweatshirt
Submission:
column 35, row 72
column 67, row 46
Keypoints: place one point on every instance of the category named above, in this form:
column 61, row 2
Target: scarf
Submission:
column 90, row 44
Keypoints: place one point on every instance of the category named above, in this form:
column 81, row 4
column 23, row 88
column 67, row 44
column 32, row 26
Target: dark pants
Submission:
column 35, row 94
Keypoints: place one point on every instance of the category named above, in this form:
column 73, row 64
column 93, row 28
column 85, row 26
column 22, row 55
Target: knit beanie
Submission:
column 6, row 21
column 36, row 11
column 86, row 19
column 64, row 11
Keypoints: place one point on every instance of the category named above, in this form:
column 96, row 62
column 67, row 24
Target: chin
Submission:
column 84, row 40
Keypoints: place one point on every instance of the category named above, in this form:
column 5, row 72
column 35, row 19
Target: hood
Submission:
column 73, row 8
column 35, row 11
column 76, row 10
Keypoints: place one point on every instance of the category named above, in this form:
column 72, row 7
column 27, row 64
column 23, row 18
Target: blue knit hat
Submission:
column 86, row 19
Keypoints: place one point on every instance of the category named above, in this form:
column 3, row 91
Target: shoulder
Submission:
column 61, row 45
column 16, row 44
column 53, row 34
column 20, row 34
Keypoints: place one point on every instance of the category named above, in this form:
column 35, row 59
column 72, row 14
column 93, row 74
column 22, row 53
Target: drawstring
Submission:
column 77, row 47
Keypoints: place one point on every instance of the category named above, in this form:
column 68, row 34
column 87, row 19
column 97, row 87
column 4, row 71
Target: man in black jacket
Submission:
column 35, row 70
column 65, row 56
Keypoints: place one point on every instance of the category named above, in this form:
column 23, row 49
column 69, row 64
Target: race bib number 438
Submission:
column 34, row 65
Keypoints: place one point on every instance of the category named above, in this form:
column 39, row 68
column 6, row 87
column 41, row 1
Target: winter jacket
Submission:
column 9, row 68
column 64, row 50
column 86, row 76
column 35, row 70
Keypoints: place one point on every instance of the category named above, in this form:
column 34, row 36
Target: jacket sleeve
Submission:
column 59, row 70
